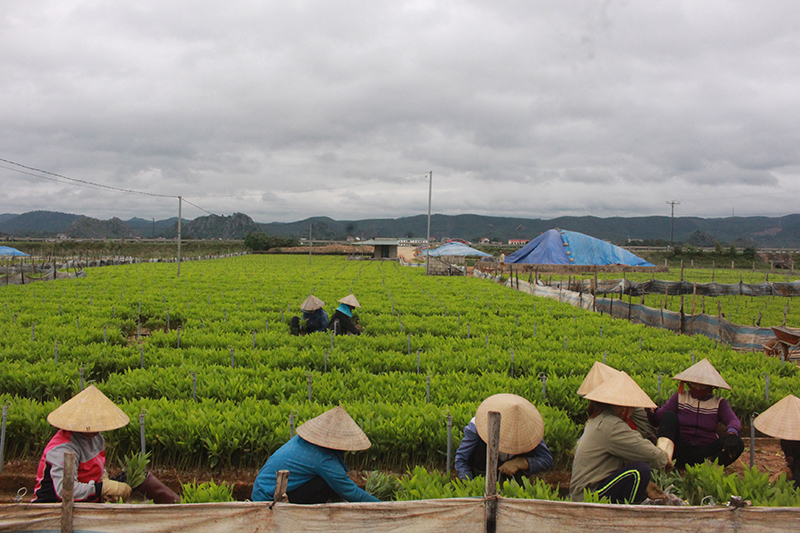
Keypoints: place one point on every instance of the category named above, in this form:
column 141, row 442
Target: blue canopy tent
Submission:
column 561, row 247
column 6, row 251
column 455, row 248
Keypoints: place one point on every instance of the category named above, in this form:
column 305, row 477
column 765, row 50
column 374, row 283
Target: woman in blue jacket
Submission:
column 522, row 450
column 315, row 461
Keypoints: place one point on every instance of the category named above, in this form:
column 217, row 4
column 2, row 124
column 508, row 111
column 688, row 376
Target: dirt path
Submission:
column 22, row 473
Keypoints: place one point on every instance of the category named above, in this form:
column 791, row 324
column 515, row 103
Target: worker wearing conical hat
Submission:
column 80, row 421
column 598, row 374
column 782, row 421
column 314, row 317
column 343, row 322
column 523, row 451
column 612, row 458
column 315, row 461
column 688, row 422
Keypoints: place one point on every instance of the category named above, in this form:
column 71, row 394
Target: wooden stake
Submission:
column 281, row 481
column 492, row 452
column 68, row 493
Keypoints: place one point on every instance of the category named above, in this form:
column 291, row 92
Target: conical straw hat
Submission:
column 621, row 390
column 782, row 420
column 312, row 303
column 334, row 429
column 703, row 373
column 521, row 425
column 598, row 375
column 350, row 300
column 88, row 411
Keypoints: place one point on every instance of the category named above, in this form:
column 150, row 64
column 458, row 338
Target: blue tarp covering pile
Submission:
column 561, row 247
column 456, row 248
column 6, row 251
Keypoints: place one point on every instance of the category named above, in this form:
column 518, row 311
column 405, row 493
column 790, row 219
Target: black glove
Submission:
column 733, row 445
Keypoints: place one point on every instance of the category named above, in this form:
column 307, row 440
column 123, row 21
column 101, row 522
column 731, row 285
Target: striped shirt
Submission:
column 699, row 419
column 90, row 461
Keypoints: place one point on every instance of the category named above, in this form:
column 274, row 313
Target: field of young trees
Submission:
column 205, row 365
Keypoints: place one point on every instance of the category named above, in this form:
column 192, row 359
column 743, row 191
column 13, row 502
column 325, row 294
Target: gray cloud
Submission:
column 286, row 110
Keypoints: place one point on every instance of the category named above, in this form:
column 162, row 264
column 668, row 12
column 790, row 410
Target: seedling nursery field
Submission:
column 205, row 365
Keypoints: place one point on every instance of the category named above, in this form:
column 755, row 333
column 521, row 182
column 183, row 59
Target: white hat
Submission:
column 621, row 390
column 350, row 300
column 598, row 375
column 87, row 412
column 312, row 303
column 782, row 420
column 703, row 373
column 521, row 424
column 335, row 429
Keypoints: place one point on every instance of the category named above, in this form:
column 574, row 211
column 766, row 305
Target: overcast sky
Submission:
column 288, row 109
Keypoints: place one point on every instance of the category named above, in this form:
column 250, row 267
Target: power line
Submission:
column 79, row 182
column 197, row 206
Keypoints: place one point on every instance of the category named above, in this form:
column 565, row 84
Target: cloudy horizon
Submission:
column 285, row 111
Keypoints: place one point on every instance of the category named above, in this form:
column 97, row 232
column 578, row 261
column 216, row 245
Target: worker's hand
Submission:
column 670, row 467
column 732, row 445
column 114, row 490
column 512, row 466
column 654, row 492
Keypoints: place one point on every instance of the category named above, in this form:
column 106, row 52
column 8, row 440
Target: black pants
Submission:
column 627, row 485
column 314, row 491
column 688, row 454
column 791, row 450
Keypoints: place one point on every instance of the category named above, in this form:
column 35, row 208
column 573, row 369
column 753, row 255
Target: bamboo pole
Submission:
column 492, row 452
column 68, row 493
column 281, row 482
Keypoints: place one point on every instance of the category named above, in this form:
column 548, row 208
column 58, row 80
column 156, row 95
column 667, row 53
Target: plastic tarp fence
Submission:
column 465, row 515
column 6, row 251
column 455, row 248
column 561, row 247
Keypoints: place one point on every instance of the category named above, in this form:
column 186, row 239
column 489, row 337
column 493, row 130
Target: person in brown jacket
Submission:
column 612, row 458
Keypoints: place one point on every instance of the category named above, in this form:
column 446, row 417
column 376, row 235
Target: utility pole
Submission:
column 672, row 203
column 154, row 228
column 180, row 208
column 428, row 255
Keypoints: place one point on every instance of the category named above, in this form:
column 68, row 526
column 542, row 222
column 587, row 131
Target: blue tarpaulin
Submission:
column 456, row 248
column 6, row 251
column 561, row 247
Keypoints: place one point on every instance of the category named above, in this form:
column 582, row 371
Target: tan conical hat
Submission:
column 521, row 425
column 621, row 390
column 703, row 373
column 598, row 375
column 312, row 303
column 334, row 429
column 350, row 300
column 88, row 411
column 782, row 420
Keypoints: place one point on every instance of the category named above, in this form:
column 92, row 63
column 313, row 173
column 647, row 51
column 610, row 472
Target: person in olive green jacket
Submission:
column 612, row 458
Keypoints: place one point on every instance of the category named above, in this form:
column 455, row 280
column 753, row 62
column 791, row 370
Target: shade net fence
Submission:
column 739, row 337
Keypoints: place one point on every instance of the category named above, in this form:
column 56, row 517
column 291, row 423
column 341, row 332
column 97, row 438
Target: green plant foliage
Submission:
column 146, row 337
column 206, row 492
column 708, row 480
column 136, row 468
column 382, row 485
column 421, row 484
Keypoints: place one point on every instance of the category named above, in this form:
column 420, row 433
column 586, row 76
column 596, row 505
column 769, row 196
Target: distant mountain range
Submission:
column 781, row 232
